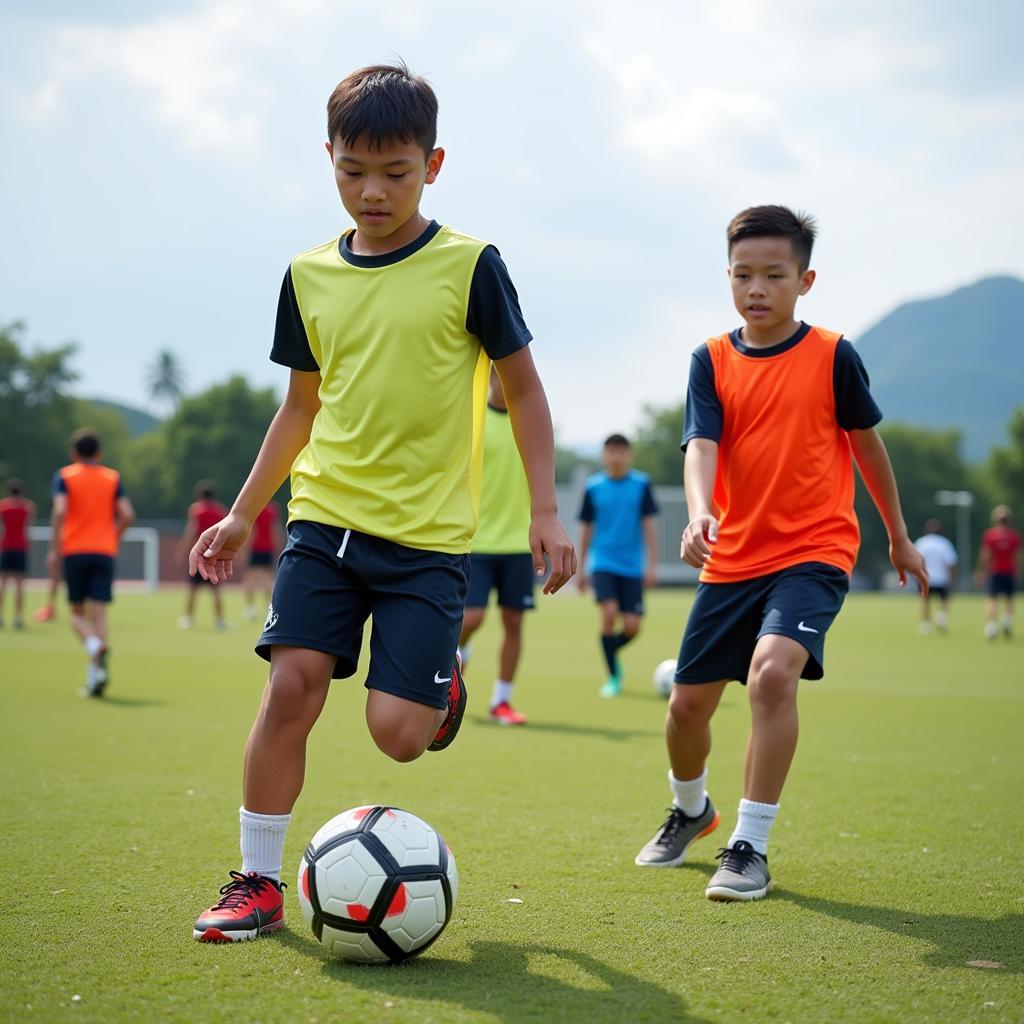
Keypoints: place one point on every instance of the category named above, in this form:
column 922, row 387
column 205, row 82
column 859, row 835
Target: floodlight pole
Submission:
column 962, row 502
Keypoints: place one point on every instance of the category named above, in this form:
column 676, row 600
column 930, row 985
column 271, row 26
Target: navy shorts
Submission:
column 511, row 575
column 89, row 577
column 1001, row 583
column 628, row 591
column 14, row 561
column 331, row 580
column 261, row 559
column 727, row 620
column 942, row 593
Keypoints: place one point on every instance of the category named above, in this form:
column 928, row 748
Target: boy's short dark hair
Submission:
column 386, row 103
column 776, row 222
column 15, row 486
column 617, row 440
column 85, row 443
column 206, row 489
column 933, row 526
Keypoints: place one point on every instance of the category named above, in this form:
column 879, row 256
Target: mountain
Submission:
column 138, row 421
column 952, row 361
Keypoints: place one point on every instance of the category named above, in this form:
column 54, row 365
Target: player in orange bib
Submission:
column 90, row 512
column 776, row 413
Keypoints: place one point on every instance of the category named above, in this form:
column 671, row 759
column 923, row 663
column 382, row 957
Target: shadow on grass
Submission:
column 957, row 939
column 131, row 702
column 498, row 980
column 605, row 732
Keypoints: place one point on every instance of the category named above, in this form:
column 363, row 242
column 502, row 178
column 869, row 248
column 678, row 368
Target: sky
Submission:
column 161, row 162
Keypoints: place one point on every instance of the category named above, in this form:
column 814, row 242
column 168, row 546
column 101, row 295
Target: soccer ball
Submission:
column 377, row 884
column 665, row 678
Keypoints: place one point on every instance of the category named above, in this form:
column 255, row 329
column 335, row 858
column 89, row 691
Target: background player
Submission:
column 997, row 560
column 16, row 516
column 501, row 559
column 774, row 411
column 620, row 549
column 203, row 513
column 387, row 332
column 90, row 512
column 940, row 560
column 266, row 543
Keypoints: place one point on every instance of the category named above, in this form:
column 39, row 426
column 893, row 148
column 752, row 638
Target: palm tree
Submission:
column 165, row 379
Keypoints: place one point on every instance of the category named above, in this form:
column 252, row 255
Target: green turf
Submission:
column 897, row 854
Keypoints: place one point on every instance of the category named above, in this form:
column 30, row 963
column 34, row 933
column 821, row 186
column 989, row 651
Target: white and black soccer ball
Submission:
column 377, row 885
column 664, row 678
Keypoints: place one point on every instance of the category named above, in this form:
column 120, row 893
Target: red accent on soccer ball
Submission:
column 399, row 902
column 358, row 912
column 361, row 813
column 305, row 882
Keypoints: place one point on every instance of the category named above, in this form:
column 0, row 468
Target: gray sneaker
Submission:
column 668, row 847
column 742, row 875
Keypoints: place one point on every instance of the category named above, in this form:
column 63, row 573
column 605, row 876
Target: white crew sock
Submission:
column 92, row 645
column 754, row 824
column 690, row 795
column 502, row 693
column 263, row 842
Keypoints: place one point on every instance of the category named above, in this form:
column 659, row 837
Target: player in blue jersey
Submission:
column 619, row 549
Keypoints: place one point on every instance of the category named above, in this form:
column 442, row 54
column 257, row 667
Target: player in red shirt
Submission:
column 16, row 516
column 997, row 561
column 266, row 542
column 777, row 412
column 203, row 513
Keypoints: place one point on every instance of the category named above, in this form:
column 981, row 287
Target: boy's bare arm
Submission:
column 876, row 470
column 699, row 468
column 213, row 554
column 60, row 510
column 125, row 514
column 535, row 438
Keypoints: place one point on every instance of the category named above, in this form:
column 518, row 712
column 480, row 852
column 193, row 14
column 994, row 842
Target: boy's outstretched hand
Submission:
column 548, row 537
column 213, row 555
column 906, row 559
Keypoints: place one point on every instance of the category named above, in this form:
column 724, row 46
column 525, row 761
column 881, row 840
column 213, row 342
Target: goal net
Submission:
column 138, row 559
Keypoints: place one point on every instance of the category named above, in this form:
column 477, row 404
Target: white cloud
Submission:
column 196, row 69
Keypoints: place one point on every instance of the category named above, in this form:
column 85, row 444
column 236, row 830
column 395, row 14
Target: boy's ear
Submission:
column 434, row 162
column 806, row 280
column 330, row 150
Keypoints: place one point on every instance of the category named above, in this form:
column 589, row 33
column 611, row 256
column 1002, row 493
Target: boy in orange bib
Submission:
column 777, row 411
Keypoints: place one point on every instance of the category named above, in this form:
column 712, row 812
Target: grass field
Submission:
column 897, row 855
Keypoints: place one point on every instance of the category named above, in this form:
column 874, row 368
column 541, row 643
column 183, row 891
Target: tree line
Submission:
column 215, row 435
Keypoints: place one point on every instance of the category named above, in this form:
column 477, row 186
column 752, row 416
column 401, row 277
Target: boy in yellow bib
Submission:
column 388, row 332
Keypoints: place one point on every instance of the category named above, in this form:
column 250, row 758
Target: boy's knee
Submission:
column 291, row 698
column 630, row 629
column 688, row 705
column 772, row 682
column 398, row 742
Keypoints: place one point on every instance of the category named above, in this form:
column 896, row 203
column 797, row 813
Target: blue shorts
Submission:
column 511, row 575
column 89, row 577
column 627, row 591
column 1001, row 583
column 727, row 620
column 14, row 561
column 260, row 559
column 330, row 581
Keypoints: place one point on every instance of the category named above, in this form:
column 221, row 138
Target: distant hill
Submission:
column 952, row 361
column 138, row 421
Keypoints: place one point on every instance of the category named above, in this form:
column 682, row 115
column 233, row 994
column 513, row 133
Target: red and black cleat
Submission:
column 249, row 906
column 456, row 709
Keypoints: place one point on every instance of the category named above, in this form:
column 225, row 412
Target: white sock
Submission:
column 501, row 694
column 465, row 652
column 92, row 645
column 754, row 824
column 690, row 795
column 263, row 842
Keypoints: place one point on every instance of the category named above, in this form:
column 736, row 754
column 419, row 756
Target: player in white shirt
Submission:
column 940, row 558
